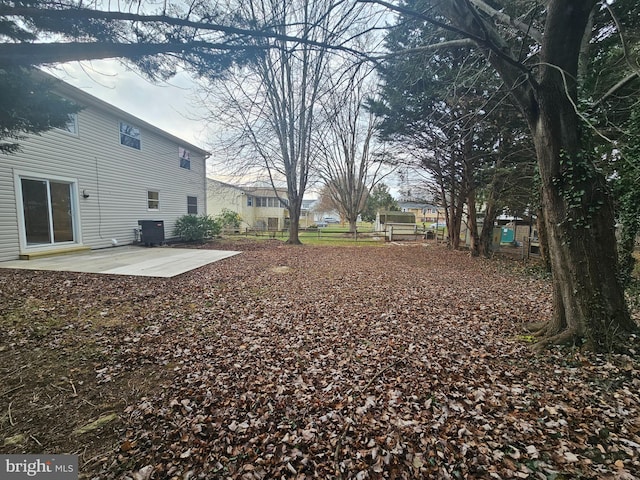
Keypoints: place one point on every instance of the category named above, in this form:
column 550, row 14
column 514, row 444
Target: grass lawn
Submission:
column 333, row 235
column 337, row 236
column 393, row 361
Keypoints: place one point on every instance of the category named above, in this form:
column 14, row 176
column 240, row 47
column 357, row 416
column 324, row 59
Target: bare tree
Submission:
column 352, row 160
column 269, row 108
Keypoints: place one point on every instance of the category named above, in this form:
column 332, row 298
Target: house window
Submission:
column 261, row 201
column 249, row 201
column 192, row 205
column 72, row 124
column 153, row 200
column 129, row 136
column 185, row 158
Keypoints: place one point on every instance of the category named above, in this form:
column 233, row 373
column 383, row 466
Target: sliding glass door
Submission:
column 48, row 211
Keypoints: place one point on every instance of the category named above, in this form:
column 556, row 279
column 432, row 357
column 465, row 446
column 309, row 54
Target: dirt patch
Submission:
column 371, row 362
column 281, row 269
column 64, row 362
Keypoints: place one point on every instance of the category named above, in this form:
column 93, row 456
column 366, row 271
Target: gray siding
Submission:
column 116, row 177
column 9, row 242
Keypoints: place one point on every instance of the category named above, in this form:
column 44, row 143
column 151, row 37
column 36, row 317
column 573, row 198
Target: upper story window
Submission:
column 72, row 124
column 271, row 202
column 185, row 158
column 274, row 202
column 249, row 201
column 129, row 136
column 72, row 118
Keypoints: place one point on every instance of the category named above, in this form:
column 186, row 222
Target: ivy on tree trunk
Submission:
column 589, row 304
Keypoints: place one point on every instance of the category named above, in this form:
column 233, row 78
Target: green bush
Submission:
column 196, row 228
column 229, row 218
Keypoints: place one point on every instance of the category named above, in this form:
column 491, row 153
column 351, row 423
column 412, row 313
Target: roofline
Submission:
column 79, row 94
column 224, row 184
column 248, row 190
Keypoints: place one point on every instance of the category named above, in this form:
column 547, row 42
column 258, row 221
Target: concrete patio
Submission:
column 127, row 260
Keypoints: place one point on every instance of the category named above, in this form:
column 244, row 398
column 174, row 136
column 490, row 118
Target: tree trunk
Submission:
column 474, row 244
column 454, row 225
column 486, row 234
column 485, row 241
column 456, row 209
column 543, row 240
column 295, row 205
column 588, row 297
column 628, row 233
column 629, row 219
column 469, row 189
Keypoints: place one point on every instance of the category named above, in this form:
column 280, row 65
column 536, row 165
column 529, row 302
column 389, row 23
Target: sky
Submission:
column 169, row 105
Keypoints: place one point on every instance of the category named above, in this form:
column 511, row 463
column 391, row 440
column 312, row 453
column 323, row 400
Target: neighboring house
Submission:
column 424, row 212
column 415, row 207
column 306, row 213
column 258, row 206
column 432, row 214
column 88, row 185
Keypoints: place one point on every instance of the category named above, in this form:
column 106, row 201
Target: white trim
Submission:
column 128, row 135
column 18, row 175
column 197, row 204
column 149, row 190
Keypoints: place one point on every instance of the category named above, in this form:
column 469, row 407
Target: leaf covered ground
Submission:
column 309, row 362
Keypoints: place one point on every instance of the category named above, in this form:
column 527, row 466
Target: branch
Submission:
column 25, row 54
column 89, row 14
column 499, row 50
column 616, row 87
column 625, row 48
column 504, row 18
column 623, row 43
column 573, row 103
column 461, row 43
column 414, row 13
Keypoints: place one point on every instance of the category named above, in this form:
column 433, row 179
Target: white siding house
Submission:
column 88, row 186
column 258, row 207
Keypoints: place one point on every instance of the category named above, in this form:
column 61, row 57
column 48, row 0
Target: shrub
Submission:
column 229, row 218
column 196, row 228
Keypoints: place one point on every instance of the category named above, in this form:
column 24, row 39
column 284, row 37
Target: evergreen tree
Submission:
column 29, row 106
column 451, row 107
column 378, row 200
